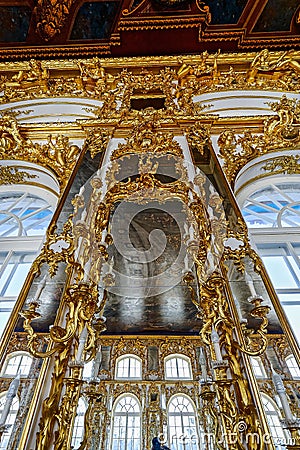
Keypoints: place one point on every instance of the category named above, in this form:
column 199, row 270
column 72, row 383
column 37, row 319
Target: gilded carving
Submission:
column 92, row 78
column 12, row 175
column 96, row 140
column 198, row 137
column 287, row 164
column 280, row 131
column 146, row 138
column 57, row 153
column 51, row 16
column 35, row 78
column 266, row 64
column 223, row 396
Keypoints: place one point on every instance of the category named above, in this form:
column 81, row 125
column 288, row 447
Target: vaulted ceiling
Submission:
column 69, row 28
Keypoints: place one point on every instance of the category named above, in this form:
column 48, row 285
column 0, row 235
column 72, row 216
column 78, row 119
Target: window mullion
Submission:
column 290, row 267
column 11, row 274
column 18, row 200
column 5, row 262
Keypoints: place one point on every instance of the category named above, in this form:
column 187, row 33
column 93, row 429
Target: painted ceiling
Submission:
column 68, row 28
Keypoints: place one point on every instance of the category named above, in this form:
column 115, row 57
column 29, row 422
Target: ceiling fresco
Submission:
column 56, row 28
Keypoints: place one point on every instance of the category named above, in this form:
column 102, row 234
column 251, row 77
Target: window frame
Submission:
column 130, row 357
column 79, row 423
column 294, row 367
column 187, row 444
column 176, row 357
column 15, row 355
column 125, row 414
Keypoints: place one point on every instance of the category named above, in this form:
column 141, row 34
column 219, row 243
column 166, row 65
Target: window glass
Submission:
column 273, row 206
column 126, row 424
column 14, row 267
column 280, row 272
column 182, row 425
column 18, row 363
column 23, row 214
column 87, row 370
column 277, row 206
column 258, row 367
column 178, row 367
column 273, row 418
column 129, row 366
column 24, row 219
column 10, row 419
column 78, row 428
column 293, row 366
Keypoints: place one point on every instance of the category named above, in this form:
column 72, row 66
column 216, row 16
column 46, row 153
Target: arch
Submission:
column 17, row 363
column 293, row 367
column 272, row 213
column 183, row 430
column 128, row 366
column 276, row 205
column 24, row 218
column 126, row 423
column 178, row 366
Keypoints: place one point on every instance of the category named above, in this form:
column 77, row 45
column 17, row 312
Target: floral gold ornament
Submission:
column 288, row 164
column 221, row 385
column 51, row 17
column 57, row 154
column 13, row 175
column 266, row 64
column 280, row 132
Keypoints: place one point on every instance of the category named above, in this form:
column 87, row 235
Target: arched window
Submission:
column 126, row 424
column 10, row 418
column 78, row 428
column 273, row 215
column 17, row 362
column 178, row 367
column 182, row 425
column 24, row 218
column 258, row 368
column 293, row 367
column 129, row 366
column 273, row 418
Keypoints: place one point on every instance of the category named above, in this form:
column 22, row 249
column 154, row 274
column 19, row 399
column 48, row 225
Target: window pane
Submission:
column 183, row 432
column 23, row 214
column 126, row 425
column 78, row 429
column 293, row 367
column 20, row 363
column 273, row 418
column 279, row 272
column 178, row 367
column 129, row 367
column 10, row 419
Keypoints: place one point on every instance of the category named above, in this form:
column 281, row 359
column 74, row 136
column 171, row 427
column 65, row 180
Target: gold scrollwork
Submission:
column 145, row 139
column 287, row 164
column 51, row 16
column 281, row 131
column 57, row 153
column 12, row 175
